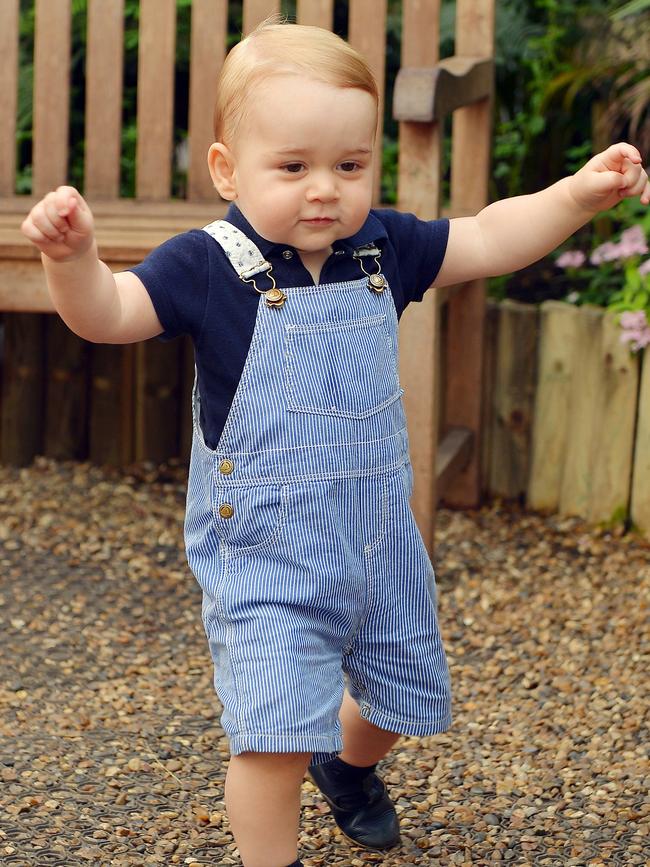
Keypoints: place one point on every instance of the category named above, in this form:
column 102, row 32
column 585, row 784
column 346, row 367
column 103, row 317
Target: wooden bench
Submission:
column 65, row 398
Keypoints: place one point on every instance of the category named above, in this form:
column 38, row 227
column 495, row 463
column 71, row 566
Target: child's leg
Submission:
column 363, row 743
column 263, row 805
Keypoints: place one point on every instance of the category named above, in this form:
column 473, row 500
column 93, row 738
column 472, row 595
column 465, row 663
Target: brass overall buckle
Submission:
column 274, row 297
column 377, row 282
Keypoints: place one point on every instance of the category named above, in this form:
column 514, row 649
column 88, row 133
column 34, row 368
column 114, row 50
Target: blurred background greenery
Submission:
column 571, row 76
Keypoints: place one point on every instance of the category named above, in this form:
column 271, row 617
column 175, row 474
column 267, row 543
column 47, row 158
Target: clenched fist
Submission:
column 61, row 225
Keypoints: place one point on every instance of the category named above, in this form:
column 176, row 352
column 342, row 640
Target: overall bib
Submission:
column 299, row 530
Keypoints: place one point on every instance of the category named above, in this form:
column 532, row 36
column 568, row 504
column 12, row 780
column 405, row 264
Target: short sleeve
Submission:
column 175, row 275
column 420, row 247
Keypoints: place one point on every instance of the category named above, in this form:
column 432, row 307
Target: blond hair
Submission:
column 278, row 48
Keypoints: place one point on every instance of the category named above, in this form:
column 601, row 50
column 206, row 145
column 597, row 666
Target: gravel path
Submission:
column 110, row 746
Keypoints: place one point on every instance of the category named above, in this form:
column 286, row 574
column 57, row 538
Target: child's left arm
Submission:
column 512, row 233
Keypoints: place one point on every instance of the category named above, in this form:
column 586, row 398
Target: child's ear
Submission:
column 221, row 163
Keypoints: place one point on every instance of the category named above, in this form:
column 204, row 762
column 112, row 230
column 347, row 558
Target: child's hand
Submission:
column 61, row 225
column 610, row 176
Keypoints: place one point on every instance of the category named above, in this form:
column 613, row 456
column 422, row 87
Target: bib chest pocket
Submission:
column 346, row 369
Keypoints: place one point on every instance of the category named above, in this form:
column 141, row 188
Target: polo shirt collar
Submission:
column 371, row 232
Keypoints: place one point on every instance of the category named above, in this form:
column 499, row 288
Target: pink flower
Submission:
column 607, row 252
column 633, row 242
column 634, row 319
column 644, row 268
column 571, row 259
column 637, row 339
column 636, row 329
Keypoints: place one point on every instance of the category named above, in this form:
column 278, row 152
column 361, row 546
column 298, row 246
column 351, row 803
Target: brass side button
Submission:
column 377, row 282
column 226, row 510
column 275, row 297
column 226, row 466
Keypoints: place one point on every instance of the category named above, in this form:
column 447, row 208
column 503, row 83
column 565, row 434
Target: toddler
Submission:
column 319, row 599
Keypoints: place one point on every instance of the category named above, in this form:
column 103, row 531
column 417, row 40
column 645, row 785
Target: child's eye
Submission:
column 349, row 166
column 293, row 168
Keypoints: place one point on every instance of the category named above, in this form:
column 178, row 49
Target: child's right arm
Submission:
column 93, row 302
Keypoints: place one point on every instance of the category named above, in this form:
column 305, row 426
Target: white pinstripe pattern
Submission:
column 321, row 570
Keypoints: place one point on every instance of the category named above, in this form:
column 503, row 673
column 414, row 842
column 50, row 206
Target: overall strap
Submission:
column 246, row 259
column 242, row 253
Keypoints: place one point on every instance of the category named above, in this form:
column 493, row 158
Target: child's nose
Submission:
column 322, row 187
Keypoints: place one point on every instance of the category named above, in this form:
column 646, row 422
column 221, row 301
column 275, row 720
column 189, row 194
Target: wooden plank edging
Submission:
column 613, row 447
column 584, row 413
column 513, row 399
column 640, row 500
column 552, row 401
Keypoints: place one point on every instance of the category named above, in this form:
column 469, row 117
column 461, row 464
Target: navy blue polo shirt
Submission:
column 195, row 291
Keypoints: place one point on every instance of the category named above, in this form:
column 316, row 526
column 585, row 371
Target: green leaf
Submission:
column 634, row 7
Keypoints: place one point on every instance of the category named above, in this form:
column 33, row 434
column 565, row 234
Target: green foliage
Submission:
column 634, row 7
column 569, row 82
column 635, row 293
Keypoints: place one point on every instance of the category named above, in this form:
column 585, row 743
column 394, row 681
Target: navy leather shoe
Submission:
column 359, row 803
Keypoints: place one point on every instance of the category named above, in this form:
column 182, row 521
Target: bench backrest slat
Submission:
column 8, row 96
column 208, row 35
column 104, row 63
column 51, row 94
column 316, row 13
column 256, row 11
column 367, row 33
column 156, row 61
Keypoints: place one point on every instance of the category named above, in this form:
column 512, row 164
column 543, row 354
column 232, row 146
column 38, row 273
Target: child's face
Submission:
column 302, row 163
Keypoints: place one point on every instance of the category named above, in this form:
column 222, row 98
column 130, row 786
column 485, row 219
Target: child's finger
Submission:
column 615, row 156
column 53, row 213
column 33, row 233
column 634, row 180
column 67, row 199
column 77, row 212
column 639, row 184
column 41, row 220
column 645, row 192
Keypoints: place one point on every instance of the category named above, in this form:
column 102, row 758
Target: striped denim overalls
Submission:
column 299, row 530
